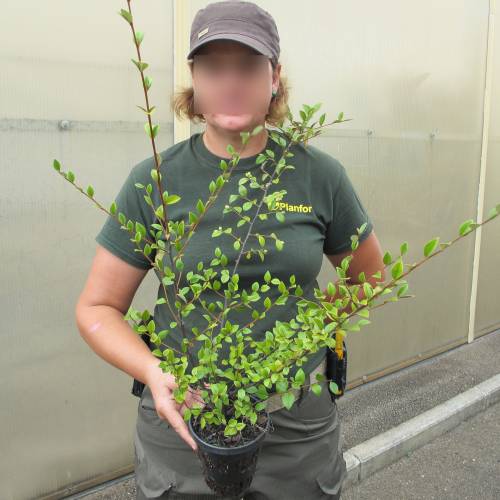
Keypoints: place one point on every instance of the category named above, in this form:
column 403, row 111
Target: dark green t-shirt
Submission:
column 322, row 211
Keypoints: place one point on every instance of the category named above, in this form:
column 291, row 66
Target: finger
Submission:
column 167, row 404
column 179, row 425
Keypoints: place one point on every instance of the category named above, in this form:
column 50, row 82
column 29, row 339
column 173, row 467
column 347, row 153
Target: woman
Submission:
column 301, row 458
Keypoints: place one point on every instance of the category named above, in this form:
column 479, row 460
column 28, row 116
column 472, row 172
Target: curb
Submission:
column 382, row 450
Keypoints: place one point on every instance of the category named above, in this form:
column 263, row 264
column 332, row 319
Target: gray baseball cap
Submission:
column 243, row 22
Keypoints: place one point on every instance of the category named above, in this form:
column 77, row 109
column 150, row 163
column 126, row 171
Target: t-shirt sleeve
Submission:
column 130, row 201
column 347, row 215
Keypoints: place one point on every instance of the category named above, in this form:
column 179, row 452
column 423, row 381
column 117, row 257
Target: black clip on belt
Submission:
column 336, row 370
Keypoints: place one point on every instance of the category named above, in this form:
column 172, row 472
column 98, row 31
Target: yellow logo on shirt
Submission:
column 281, row 205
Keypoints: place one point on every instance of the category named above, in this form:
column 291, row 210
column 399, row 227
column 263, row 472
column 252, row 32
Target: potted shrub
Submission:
column 231, row 419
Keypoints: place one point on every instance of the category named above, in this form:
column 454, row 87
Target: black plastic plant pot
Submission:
column 229, row 471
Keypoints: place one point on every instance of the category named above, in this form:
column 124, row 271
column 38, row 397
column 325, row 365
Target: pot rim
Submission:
column 229, row 450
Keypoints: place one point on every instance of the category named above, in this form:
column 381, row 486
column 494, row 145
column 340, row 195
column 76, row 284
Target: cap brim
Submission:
column 245, row 40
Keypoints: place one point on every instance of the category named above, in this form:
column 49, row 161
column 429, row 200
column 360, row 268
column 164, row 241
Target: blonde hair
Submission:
column 182, row 103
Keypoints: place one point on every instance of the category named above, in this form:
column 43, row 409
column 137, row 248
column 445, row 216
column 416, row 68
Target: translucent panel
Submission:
column 67, row 415
column 488, row 303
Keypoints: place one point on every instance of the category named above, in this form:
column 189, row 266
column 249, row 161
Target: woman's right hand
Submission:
column 162, row 386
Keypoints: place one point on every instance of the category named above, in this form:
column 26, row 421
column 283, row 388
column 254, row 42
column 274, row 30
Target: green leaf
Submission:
column 387, row 258
column 56, row 165
column 112, row 208
column 288, row 399
column 465, row 227
column 141, row 65
column 361, row 229
column 244, row 137
column 279, row 245
column 334, row 388
column 90, row 191
column 193, row 218
column 492, row 213
column 148, row 130
column 300, row 376
column 368, row 290
column 267, row 277
column 236, row 245
column 430, row 246
column 403, row 289
column 173, row 198
column 404, row 248
column 397, row 269
column 160, row 212
column 316, row 107
column 148, row 81
column 139, row 37
column 126, row 15
column 260, row 159
column 150, row 112
column 316, row 388
column 200, row 206
column 257, row 129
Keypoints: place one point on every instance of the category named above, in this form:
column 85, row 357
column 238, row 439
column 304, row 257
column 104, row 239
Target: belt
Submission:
column 274, row 402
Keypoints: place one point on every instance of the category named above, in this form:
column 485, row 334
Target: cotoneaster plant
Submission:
column 232, row 397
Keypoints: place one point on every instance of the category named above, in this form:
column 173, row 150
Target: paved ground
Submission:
column 463, row 463
column 377, row 406
column 123, row 490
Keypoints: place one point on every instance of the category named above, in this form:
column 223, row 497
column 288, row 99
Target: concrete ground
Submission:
column 119, row 490
column 377, row 406
column 463, row 463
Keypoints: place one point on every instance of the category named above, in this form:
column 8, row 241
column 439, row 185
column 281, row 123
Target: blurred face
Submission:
column 232, row 85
